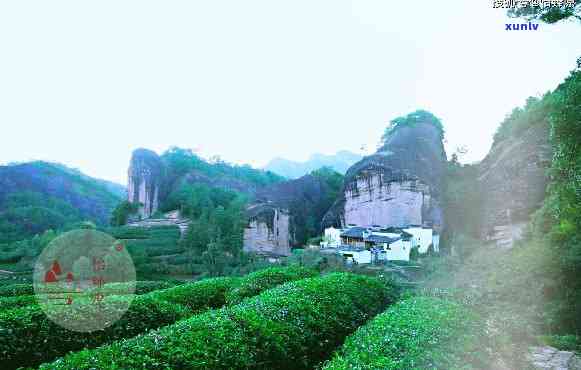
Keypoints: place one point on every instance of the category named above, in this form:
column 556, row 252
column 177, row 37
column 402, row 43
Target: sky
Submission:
column 85, row 83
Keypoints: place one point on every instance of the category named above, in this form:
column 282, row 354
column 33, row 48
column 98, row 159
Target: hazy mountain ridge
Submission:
column 340, row 162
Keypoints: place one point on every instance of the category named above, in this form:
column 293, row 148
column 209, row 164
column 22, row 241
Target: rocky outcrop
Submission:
column 268, row 231
column 513, row 178
column 145, row 179
column 285, row 214
column 400, row 185
column 552, row 359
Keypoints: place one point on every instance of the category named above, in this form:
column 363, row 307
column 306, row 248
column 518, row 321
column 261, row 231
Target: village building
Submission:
column 366, row 245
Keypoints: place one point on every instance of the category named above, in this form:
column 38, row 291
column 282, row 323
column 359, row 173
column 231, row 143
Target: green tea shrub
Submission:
column 200, row 295
column 258, row 281
column 28, row 337
column 7, row 303
column 142, row 287
column 13, row 290
column 294, row 326
column 417, row 333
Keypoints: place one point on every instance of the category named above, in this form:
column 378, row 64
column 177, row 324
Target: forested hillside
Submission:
column 38, row 196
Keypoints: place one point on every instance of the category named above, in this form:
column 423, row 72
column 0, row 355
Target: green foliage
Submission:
column 14, row 290
column 153, row 310
column 181, row 161
column 462, row 200
column 259, row 281
column 535, row 112
column 16, row 301
column 220, row 223
column 562, row 342
column 294, row 326
column 563, row 206
column 198, row 296
column 49, row 196
column 552, row 14
column 418, row 333
column 419, row 116
column 122, row 212
column 29, row 328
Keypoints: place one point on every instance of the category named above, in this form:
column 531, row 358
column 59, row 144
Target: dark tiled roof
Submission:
column 354, row 232
column 381, row 239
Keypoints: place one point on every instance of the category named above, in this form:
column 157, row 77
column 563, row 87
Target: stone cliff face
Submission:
column 398, row 186
column 281, row 215
column 513, row 178
column 145, row 178
column 268, row 231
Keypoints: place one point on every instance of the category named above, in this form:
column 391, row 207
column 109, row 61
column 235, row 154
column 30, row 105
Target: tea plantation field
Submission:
column 277, row 318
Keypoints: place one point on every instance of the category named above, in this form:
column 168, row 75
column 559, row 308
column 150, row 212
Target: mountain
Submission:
column 158, row 183
column 340, row 162
column 399, row 185
column 38, row 196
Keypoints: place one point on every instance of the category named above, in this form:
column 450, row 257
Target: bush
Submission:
column 201, row 295
column 294, row 326
column 30, row 337
column 562, row 342
column 418, row 333
column 142, row 287
column 259, row 281
column 7, row 303
column 13, row 290
column 29, row 328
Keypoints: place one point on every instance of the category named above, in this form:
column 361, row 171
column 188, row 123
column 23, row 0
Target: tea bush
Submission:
column 16, row 302
column 417, row 333
column 256, row 282
column 294, row 326
column 13, row 290
column 28, row 337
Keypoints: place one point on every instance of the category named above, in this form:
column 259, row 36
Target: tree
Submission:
column 548, row 15
column 122, row 212
column 419, row 116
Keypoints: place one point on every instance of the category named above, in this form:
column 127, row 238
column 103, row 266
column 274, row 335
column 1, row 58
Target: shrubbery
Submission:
column 198, row 296
column 418, row 333
column 294, row 326
column 16, row 302
column 29, row 337
column 256, row 282
column 30, row 327
column 16, row 290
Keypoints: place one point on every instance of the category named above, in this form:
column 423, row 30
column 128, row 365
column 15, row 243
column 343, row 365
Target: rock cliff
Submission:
column 399, row 185
column 145, row 176
column 513, row 178
column 286, row 214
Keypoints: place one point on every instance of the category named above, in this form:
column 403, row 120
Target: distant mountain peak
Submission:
column 339, row 161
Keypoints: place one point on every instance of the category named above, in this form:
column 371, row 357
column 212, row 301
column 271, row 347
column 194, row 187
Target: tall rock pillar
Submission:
column 145, row 176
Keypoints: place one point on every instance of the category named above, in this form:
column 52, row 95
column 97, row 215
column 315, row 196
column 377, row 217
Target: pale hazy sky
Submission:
column 84, row 83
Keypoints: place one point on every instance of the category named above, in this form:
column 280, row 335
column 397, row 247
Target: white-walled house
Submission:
column 421, row 237
column 364, row 245
column 356, row 255
column 331, row 238
column 398, row 251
